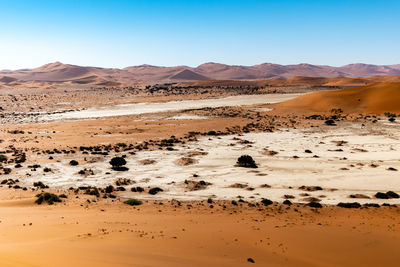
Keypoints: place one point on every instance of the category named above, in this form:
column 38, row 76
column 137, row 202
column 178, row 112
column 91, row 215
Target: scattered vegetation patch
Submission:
column 387, row 195
column 74, row 163
column 121, row 145
column 16, row 132
column 86, row 172
column 314, row 205
column 389, row 115
column 117, row 164
column 266, row 202
column 123, row 181
column 155, row 190
column 314, row 117
column 47, row 197
column 246, row 161
column 353, row 205
column 40, row 185
column 137, row 189
column 330, row 123
column 133, row 202
column 287, row 202
column 3, row 158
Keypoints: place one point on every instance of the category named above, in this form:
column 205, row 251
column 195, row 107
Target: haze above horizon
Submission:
column 167, row 33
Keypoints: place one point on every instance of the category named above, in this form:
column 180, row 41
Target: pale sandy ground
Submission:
column 155, row 107
column 339, row 173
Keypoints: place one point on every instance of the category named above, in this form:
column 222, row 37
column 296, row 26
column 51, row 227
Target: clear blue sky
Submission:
column 119, row 33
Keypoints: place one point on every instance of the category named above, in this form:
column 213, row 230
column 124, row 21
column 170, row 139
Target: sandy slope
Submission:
column 105, row 234
column 376, row 98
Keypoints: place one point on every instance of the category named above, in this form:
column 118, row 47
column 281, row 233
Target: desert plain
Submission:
column 321, row 188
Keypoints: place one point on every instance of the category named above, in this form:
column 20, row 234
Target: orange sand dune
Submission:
column 376, row 98
column 298, row 81
column 104, row 233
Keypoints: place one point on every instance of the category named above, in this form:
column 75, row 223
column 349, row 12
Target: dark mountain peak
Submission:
column 188, row 75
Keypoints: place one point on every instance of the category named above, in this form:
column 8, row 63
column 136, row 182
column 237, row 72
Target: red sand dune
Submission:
column 59, row 72
column 376, row 98
column 298, row 81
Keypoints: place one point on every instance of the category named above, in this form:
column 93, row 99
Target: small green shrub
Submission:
column 47, row 197
column 121, row 145
column 3, row 158
column 390, row 115
column 133, row 202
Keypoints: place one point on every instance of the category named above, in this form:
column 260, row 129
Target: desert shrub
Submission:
column 133, row 202
column 167, row 141
column 47, row 197
column 266, row 202
column 155, row 190
column 392, row 194
column 381, row 195
column 117, row 163
column 3, row 158
column 330, row 122
column 354, row 205
column 246, row 161
column 93, row 191
column 73, row 163
column 123, row 181
column 314, row 117
column 212, row 133
column 389, row 115
column 191, row 133
column 40, row 185
column 121, row 145
column 16, row 132
column 313, row 204
column 137, row 189
column 63, row 196
column 109, row 189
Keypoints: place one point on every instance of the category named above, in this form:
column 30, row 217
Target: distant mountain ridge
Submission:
column 59, row 72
